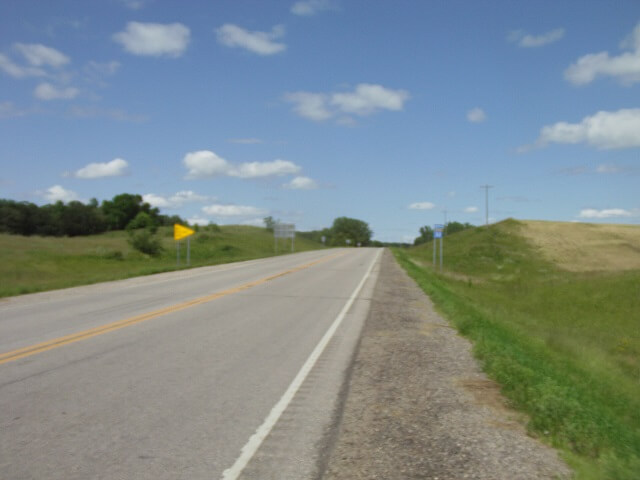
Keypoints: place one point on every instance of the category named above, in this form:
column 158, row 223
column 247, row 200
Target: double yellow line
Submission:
column 127, row 322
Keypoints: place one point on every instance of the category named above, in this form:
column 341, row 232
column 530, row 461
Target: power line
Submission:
column 486, row 201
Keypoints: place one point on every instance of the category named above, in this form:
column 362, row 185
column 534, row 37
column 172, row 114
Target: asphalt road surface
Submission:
column 232, row 371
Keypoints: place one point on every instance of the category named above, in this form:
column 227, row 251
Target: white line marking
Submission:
column 251, row 447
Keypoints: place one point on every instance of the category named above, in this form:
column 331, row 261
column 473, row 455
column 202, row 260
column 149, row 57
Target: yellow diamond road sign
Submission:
column 180, row 231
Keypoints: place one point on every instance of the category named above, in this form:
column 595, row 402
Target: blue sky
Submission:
column 387, row 111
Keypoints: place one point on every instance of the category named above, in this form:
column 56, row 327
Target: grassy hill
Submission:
column 31, row 264
column 583, row 247
column 553, row 310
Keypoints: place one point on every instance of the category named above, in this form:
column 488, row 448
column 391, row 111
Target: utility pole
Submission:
column 486, row 201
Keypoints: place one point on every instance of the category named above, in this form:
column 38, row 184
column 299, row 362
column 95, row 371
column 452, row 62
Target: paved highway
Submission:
column 226, row 372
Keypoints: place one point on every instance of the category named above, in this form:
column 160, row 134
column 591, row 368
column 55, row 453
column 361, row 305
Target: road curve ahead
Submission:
column 219, row 372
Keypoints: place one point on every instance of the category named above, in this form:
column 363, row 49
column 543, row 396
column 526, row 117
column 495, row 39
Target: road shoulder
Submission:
column 418, row 405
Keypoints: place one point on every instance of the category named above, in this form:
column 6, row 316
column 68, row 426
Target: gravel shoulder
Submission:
column 418, row 405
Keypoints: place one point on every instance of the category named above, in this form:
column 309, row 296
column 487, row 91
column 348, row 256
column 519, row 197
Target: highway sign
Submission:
column 180, row 231
column 284, row 230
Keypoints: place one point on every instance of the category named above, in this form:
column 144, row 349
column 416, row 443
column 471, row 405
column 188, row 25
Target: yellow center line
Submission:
column 110, row 327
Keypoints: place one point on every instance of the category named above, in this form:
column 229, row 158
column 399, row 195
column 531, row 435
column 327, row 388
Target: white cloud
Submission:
column 606, row 213
column 471, row 210
column 103, row 68
column 204, row 163
column 264, row 169
column 307, row 8
column 46, row 91
column 57, row 193
column 301, row 183
column 422, row 206
column 156, row 200
column 187, row 196
column 366, row 99
column 617, row 169
column 254, row 222
column 524, row 39
column 174, row 201
column 604, row 168
column 40, row 55
column 309, row 105
column 476, row 115
column 115, row 168
column 604, row 130
column 625, row 67
column 218, row 210
column 262, row 43
column 17, row 71
column 154, row 39
column 198, row 221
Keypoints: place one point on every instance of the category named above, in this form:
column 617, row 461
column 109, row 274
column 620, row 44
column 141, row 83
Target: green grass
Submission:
column 32, row 264
column 564, row 346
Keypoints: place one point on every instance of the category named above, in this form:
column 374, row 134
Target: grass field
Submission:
column 554, row 313
column 32, row 264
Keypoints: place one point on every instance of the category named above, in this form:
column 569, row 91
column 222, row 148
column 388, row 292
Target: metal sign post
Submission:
column 438, row 233
column 180, row 232
column 434, row 250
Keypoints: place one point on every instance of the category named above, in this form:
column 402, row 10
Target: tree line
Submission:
column 76, row 218
column 426, row 232
column 343, row 232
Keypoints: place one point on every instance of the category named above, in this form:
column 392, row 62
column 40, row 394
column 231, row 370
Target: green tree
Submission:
column 123, row 208
column 426, row 235
column 269, row 223
column 345, row 228
column 455, row 227
column 76, row 218
column 143, row 220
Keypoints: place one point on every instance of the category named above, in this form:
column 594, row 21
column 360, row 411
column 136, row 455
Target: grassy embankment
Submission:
column 32, row 264
column 553, row 311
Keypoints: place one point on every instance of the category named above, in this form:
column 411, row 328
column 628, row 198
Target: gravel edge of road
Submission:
column 415, row 403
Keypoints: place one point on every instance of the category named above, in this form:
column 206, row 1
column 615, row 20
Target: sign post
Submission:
column 438, row 233
column 180, row 232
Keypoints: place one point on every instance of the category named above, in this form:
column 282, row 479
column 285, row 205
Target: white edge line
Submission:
column 252, row 446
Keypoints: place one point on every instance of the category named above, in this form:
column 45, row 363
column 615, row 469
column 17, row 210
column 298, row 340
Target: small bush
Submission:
column 144, row 241
column 203, row 238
